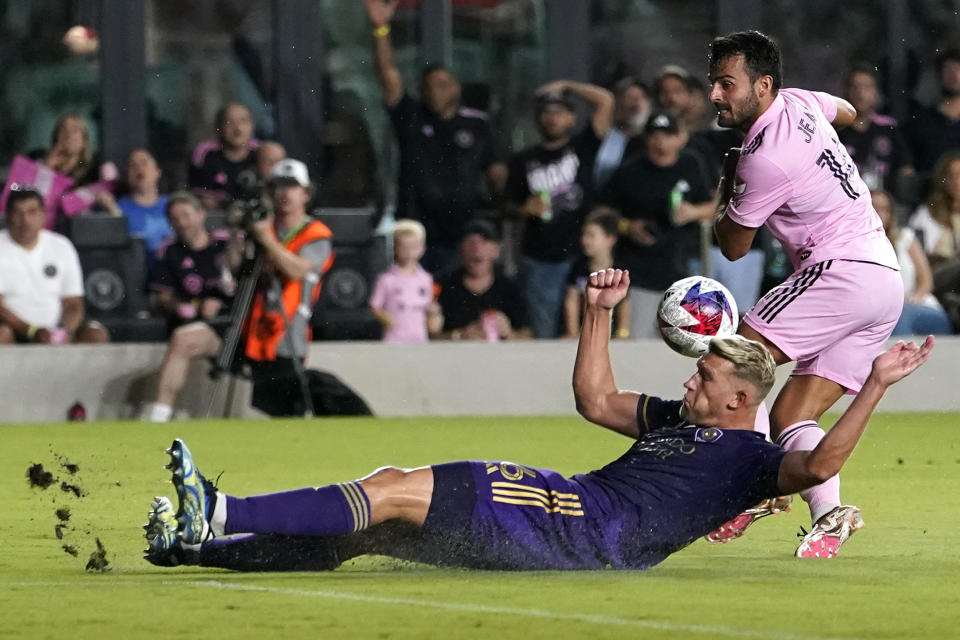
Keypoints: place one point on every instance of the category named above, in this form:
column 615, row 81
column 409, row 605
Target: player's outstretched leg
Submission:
column 829, row 532
column 165, row 547
column 197, row 496
column 738, row 526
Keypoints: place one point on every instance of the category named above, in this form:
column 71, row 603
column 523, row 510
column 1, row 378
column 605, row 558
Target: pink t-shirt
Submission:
column 404, row 297
column 796, row 176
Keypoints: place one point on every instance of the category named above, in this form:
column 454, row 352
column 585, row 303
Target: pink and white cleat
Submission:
column 830, row 532
column 736, row 527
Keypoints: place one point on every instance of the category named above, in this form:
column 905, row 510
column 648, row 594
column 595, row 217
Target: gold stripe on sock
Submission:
column 362, row 508
column 350, row 501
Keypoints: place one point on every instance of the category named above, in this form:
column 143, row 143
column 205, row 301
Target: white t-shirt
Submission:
column 34, row 282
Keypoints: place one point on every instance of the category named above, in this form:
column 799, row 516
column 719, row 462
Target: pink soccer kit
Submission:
column 404, row 296
column 835, row 312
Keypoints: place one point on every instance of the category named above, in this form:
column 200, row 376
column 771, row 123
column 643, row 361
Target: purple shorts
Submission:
column 832, row 318
column 501, row 515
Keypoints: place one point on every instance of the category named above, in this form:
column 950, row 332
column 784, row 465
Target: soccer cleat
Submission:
column 738, row 526
column 196, row 495
column 162, row 538
column 830, row 532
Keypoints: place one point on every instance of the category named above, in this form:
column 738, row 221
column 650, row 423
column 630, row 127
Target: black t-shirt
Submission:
column 566, row 174
column 442, row 181
column 931, row 134
column 461, row 307
column 194, row 275
column 642, row 191
column 879, row 152
column 212, row 174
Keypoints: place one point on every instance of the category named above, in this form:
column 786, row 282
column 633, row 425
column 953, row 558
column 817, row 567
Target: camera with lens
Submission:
column 252, row 204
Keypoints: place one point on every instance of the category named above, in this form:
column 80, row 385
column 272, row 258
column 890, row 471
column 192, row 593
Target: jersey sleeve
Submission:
column 379, row 296
column 761, row 188
column 767, row 477
column 73, row 275
column 823, row 101
column 656, row 413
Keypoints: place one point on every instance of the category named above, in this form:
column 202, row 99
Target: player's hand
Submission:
column 728, row 176
column 380, row 12
column 607, row 288
column 900, row 360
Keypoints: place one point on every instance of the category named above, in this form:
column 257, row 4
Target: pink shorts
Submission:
column 832, row 318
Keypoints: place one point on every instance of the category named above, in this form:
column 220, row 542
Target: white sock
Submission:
column 218, row 519
column 804, row 436
column 157, row 412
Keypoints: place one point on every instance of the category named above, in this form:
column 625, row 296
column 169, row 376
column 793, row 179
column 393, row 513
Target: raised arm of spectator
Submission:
column 597, row 397
column 294, row 266
column 803, row 469
column 380, row 13
column 601, row 102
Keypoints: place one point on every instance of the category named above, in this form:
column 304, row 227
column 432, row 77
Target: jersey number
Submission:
column 840, row 172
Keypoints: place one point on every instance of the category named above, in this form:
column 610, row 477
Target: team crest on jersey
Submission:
column 50, row 270
column 804, row 254
column 707, row 434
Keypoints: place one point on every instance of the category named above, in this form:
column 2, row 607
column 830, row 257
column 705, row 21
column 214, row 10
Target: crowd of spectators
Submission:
column 624, row 177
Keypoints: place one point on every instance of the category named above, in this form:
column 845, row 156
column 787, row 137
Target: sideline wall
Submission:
column 39, row 383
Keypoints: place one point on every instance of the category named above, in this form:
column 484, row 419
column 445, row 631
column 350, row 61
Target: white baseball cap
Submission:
column 290, row 169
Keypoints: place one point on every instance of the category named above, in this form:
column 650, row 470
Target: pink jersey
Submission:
column 796, row 176
column 404, row 297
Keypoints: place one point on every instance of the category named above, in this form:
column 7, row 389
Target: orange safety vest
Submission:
column 265, row 328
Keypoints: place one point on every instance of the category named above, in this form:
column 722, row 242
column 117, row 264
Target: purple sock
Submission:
column 335, row 509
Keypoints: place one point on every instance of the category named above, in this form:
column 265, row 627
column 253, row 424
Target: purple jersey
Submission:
column 796, row 176
column 675, row 484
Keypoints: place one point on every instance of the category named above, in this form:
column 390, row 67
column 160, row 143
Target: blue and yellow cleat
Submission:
column 163, row 542
column 196, row 494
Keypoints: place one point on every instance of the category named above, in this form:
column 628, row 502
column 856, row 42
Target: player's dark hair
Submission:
column 432, row 68
column 860, row 67
column 761, row 55
column 22, row 194
column 606, row 219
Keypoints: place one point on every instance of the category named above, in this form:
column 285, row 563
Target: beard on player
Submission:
column 738, row 115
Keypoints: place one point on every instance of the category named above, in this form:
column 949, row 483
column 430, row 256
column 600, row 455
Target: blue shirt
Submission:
column 678, row 482
column 149, row 223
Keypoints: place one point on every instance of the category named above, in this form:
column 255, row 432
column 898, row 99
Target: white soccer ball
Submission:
column 694, row 310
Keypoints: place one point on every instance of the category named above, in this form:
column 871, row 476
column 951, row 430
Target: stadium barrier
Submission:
column 39, row 383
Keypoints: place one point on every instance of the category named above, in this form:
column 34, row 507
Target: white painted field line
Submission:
column 462, row 607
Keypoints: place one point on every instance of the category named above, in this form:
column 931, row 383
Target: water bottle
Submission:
column 547, row 215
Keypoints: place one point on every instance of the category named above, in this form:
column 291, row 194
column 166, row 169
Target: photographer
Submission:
column 297, row 251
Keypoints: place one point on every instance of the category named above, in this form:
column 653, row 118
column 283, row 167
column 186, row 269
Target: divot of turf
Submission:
column 98, row 559
column 72, row 488
column 38, row 477
column 72, row 550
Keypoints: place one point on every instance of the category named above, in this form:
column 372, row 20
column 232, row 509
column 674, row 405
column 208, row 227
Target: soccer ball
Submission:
column 694, row 310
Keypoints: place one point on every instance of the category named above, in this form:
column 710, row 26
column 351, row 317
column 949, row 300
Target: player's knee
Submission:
column 384, row 476
column 188, row 340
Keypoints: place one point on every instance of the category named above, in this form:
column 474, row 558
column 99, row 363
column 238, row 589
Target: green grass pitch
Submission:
column 897, row 578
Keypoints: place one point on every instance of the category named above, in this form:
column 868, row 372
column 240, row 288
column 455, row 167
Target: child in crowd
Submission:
column 597, row 239
column 403, row 296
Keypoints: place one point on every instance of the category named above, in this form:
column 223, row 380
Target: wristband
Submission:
column 382, row 31
column 623, row 225
column 621, row 333
column 32, row 332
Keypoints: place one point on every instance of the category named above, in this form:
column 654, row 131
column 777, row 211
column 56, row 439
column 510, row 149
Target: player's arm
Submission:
column 600, row 100
column 15, row 322
column 734, row 239
column 380, row 13
column 846, row 114
column 596, row 394
column 71, row 315
column 804, row 469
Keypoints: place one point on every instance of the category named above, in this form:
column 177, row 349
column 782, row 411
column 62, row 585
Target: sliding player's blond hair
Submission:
column 409, row 227
column 751, row 361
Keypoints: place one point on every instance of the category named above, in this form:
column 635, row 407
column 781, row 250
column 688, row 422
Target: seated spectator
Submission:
column 144, row 207
column 193, row 278
column 661, row 195
column 874, row 141
column 598, row 240
column 402, row 298
column 71, row 152
column 41, row 284
column 632, row 106
column 922, row 313
column 216, row 165
column 269, row 153
column 549, row 186
column 934, row 130
column 938, row 221
column 478, row 302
